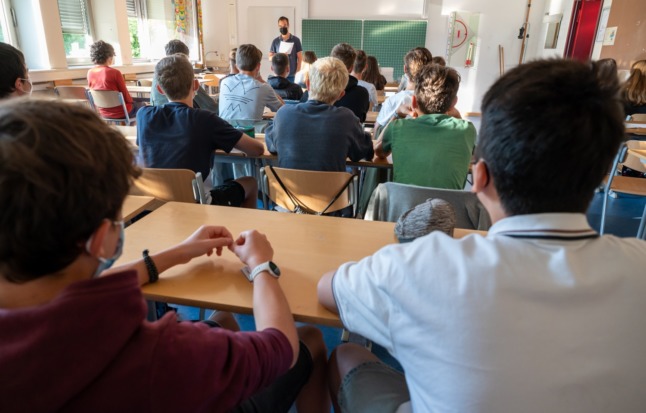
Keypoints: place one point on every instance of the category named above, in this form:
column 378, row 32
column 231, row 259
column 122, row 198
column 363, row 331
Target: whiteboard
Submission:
column 262, row 28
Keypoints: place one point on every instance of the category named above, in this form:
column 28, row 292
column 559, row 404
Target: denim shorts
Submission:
column 373, row 387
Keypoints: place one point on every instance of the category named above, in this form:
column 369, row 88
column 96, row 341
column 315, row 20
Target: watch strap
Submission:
column 153, row 274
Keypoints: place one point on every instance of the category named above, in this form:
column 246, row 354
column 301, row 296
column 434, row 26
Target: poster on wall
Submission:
column 462, row 38
column 603, row 23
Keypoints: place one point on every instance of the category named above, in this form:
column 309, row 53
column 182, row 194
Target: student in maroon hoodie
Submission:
column 74, row 335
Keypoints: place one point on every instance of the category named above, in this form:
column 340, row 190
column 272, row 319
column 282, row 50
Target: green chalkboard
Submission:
column 387, row 40
column 321, row 36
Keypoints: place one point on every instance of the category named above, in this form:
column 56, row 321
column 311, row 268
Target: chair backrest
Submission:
column 313, row 189
column 166, row 184
column 71, row 92
column 109, row 99
column 638, row 117
column 390, row 200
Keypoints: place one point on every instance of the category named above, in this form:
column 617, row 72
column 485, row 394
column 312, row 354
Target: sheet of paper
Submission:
column 285, row 47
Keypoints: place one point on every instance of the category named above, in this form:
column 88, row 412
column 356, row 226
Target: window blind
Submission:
column 131, row 6
column 74, row 17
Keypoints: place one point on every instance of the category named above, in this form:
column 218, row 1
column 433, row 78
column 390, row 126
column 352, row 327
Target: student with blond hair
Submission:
column 316, row 135
column 635, row 89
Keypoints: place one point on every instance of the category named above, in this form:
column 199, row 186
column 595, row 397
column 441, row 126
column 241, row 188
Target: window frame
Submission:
column 8, row 23
column 80, row 61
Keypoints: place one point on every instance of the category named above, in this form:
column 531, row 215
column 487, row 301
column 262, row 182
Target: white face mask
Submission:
column 105, row 263
column 31, row 86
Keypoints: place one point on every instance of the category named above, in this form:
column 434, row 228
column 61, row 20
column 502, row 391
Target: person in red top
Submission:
column 104, row 77
column 75, row 332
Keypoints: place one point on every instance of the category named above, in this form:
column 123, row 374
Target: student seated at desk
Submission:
column 281, row 85
column 540, row 315
column 75, row 331
column 176, row 135
column 245, row 95
column 414, row 60
column 316, row 135
column 104, row 77
column 201, row 100
column 432, row 148
column 358, row 69
column 355, row 97
column 635, row 89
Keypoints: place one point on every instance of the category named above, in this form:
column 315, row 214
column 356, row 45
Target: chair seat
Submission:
column 629, row 185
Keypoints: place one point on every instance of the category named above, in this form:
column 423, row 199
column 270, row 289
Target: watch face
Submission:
column 274, row 268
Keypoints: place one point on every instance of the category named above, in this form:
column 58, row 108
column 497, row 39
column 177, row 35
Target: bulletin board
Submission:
column 387, row 40
column 627, row 17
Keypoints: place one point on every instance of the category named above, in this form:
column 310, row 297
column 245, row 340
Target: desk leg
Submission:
column 641, row 232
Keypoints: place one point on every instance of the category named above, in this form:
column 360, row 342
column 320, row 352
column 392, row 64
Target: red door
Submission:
column 583, row 29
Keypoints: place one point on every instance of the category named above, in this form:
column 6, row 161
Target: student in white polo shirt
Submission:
column 540, row 315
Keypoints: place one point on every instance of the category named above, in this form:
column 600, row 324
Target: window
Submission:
column 153, row 23
column 7, row 34
column 137, row 18
column 77, row 30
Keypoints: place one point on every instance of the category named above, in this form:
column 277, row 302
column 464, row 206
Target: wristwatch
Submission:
column 268, row 266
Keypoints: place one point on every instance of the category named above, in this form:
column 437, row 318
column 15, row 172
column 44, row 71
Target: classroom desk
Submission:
column 393, row 88
column 305, row 246
column 640, row 153
column 371, row 117
column 135, row 204
column 139, row 91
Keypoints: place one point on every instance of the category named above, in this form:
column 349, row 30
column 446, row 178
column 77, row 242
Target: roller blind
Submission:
column 74, row 16
column 132, row 8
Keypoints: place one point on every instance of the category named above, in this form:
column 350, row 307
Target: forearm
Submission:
column 163, row 260
column 271, row 309
column 325, row 293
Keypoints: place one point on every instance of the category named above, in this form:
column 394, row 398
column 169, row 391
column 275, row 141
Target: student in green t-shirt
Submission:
column 433, row 146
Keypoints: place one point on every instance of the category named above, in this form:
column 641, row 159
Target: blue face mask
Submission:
column 105, row 263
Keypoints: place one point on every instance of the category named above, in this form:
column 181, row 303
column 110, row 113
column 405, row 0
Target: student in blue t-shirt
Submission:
column 176, row 135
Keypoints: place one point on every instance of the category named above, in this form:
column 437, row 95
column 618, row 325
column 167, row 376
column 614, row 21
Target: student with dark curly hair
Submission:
column 104, row 77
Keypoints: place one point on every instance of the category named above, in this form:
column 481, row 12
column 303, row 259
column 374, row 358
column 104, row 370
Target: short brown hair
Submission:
column 436, row 88
column 438, row 60
column 279, row 63
column 100, row 52
column 176, row 46
column 328, row 78
column 345, row 53
column 415, row 59
column 248, row 57
column 360, row 62
column 309, row 57
column 175, row 76
column 57, row 183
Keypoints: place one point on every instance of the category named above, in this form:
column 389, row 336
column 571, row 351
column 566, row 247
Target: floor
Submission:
column 624, row 214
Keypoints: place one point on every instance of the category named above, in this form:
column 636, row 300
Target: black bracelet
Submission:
column 153, row 275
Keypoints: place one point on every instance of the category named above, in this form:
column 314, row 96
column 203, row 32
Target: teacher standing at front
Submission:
column 290, row 45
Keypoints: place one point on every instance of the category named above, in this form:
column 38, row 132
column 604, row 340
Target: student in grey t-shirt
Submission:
column 245, row 95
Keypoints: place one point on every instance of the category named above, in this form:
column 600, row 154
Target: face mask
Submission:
column 31, row 86
column 105, row 263
column 283, row 30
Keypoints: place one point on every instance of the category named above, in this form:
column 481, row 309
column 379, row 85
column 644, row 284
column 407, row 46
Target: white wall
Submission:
column 500, row 22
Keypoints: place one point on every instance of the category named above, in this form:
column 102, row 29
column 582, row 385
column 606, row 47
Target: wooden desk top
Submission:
column 305, row 246
column 134, row 205
column 640, row 153
column 138, row 89
column 371, row 117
